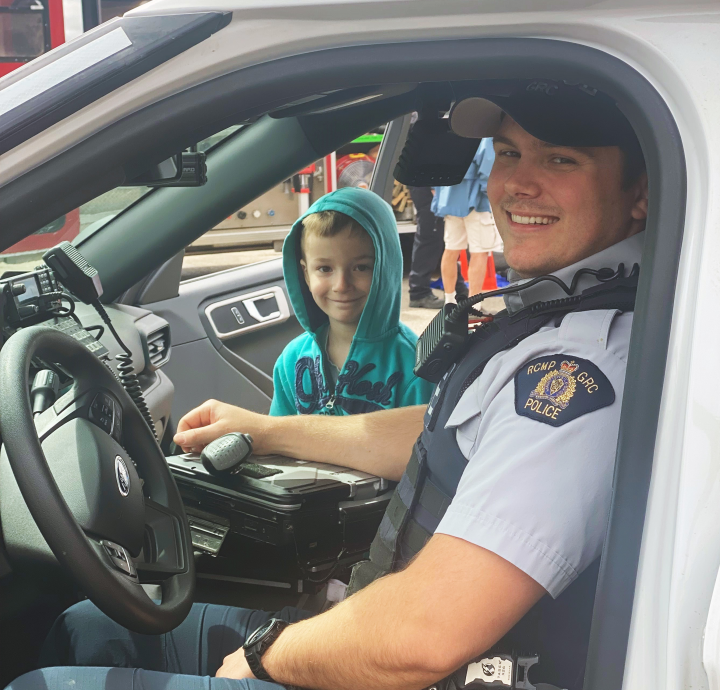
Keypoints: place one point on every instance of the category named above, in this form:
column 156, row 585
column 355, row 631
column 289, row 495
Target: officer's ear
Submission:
column 640, row 205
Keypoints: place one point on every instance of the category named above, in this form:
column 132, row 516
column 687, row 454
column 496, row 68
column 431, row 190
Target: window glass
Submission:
column 22, row 33
column 90, row 217
column 256, row 232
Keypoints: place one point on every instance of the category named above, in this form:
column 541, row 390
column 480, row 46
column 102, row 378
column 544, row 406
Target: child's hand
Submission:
column 214, row 419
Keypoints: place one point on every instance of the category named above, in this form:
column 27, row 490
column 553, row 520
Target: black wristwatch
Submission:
column 259, row 642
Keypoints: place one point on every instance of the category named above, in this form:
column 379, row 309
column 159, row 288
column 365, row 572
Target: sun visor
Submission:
column 475, row 118
column 434, row 156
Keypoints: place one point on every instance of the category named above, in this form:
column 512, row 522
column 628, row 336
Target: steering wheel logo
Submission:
column 122, row 476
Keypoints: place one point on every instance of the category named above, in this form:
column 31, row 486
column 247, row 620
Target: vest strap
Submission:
column 434, row 500
column 385, row 547
column 414, row 538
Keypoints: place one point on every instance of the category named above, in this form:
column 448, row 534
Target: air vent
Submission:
column 155, row 336
column 158, row 345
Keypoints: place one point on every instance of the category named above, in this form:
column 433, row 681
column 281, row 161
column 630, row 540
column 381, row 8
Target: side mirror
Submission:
column 186, row 169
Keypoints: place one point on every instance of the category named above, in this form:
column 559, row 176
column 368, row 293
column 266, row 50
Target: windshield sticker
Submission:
column 62, row 69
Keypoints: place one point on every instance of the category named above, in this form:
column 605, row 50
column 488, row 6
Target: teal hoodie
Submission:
column 378, row 372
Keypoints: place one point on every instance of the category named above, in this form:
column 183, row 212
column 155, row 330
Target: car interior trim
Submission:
column 71, row 77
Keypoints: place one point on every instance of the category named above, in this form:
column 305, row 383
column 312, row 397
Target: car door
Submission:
column 227, row 328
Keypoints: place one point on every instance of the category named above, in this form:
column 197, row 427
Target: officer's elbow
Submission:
column 437, row 658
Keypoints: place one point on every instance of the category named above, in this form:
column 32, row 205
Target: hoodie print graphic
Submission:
column 377, row 396
column 378, row 373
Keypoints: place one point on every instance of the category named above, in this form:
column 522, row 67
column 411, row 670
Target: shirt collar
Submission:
column 628, row 252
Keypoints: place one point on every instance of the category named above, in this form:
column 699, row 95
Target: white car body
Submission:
column 675, row 634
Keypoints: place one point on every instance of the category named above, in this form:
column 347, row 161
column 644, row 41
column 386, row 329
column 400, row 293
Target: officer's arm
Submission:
column 409, row 629
column 379, row 442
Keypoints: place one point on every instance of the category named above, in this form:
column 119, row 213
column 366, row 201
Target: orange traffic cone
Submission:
column 490, row 282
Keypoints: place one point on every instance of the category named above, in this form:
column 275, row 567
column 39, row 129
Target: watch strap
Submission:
column 254, row 653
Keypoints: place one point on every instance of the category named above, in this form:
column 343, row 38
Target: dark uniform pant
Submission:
column 428, row 245
column 86, row 650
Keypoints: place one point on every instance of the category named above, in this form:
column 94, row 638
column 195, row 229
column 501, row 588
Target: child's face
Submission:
column 339, row 270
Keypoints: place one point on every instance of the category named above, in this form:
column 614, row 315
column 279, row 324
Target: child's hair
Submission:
column 327, row 224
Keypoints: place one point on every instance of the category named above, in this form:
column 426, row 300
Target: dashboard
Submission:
column 277, row 522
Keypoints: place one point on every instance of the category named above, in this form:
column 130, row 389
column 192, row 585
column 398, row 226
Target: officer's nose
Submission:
column 523, row 182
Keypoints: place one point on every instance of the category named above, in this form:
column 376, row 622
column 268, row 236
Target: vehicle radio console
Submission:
column 30, row 297
column 278, row 521
column 37, row 297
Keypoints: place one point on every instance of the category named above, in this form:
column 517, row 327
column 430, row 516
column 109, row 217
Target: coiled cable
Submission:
column 130, row 382
column 126, row 371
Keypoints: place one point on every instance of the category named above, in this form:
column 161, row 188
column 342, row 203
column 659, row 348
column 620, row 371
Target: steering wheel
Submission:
column 110, row 513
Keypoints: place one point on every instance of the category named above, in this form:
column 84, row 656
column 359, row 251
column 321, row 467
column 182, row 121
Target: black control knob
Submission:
column 226, row 453
column 44, row 390
column 242, row 215
column 18, row 289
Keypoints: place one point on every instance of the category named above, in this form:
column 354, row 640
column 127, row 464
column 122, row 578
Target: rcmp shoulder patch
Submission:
column 559, row 388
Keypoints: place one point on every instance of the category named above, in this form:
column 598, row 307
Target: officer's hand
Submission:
column 235, row 666
column 214, row 419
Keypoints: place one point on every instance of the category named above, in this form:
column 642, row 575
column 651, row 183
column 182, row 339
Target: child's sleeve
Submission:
column 418, row 392
column 283, row 403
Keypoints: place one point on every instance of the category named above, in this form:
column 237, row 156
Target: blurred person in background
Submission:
column 469, row 223
column 428, row 248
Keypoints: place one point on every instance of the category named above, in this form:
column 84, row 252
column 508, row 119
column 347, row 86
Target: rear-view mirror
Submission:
column 186, row 169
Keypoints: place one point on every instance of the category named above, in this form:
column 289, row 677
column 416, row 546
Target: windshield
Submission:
column 90, row 217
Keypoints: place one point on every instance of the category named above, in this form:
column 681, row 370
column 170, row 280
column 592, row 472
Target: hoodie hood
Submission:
column 381, row 314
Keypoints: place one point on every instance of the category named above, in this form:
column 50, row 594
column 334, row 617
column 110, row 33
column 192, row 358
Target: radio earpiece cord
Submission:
column 603, row 275
column 446, row 336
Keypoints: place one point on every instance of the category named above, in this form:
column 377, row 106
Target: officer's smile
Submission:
column 522, row 219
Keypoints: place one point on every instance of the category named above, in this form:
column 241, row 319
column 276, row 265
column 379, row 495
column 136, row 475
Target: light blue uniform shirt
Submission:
column 539, row 495
column 471, row 193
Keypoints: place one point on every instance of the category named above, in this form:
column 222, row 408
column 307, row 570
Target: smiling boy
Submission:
column 343, row 271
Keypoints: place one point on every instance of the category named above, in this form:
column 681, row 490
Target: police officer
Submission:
column 492, row 537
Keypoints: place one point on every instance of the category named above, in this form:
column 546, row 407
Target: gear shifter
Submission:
column 225, row 454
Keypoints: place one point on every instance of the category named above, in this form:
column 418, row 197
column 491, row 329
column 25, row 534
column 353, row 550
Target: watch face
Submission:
column 259, row 633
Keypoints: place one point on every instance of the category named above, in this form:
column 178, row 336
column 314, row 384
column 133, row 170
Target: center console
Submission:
column 280, row 522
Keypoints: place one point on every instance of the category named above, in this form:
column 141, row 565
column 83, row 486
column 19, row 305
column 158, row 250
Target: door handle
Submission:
column 230, row 322
column 251, row 306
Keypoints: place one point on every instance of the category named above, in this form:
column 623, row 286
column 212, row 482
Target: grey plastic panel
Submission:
column 131, row 323
column 215, row 379
column 159, row 396
column 263, row 347
column 229, row 364
column 183, row 312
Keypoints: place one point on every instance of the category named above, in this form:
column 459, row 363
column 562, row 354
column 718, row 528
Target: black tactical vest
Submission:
column 557, row 630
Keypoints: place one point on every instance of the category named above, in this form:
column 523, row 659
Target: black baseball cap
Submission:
column 557, row 112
